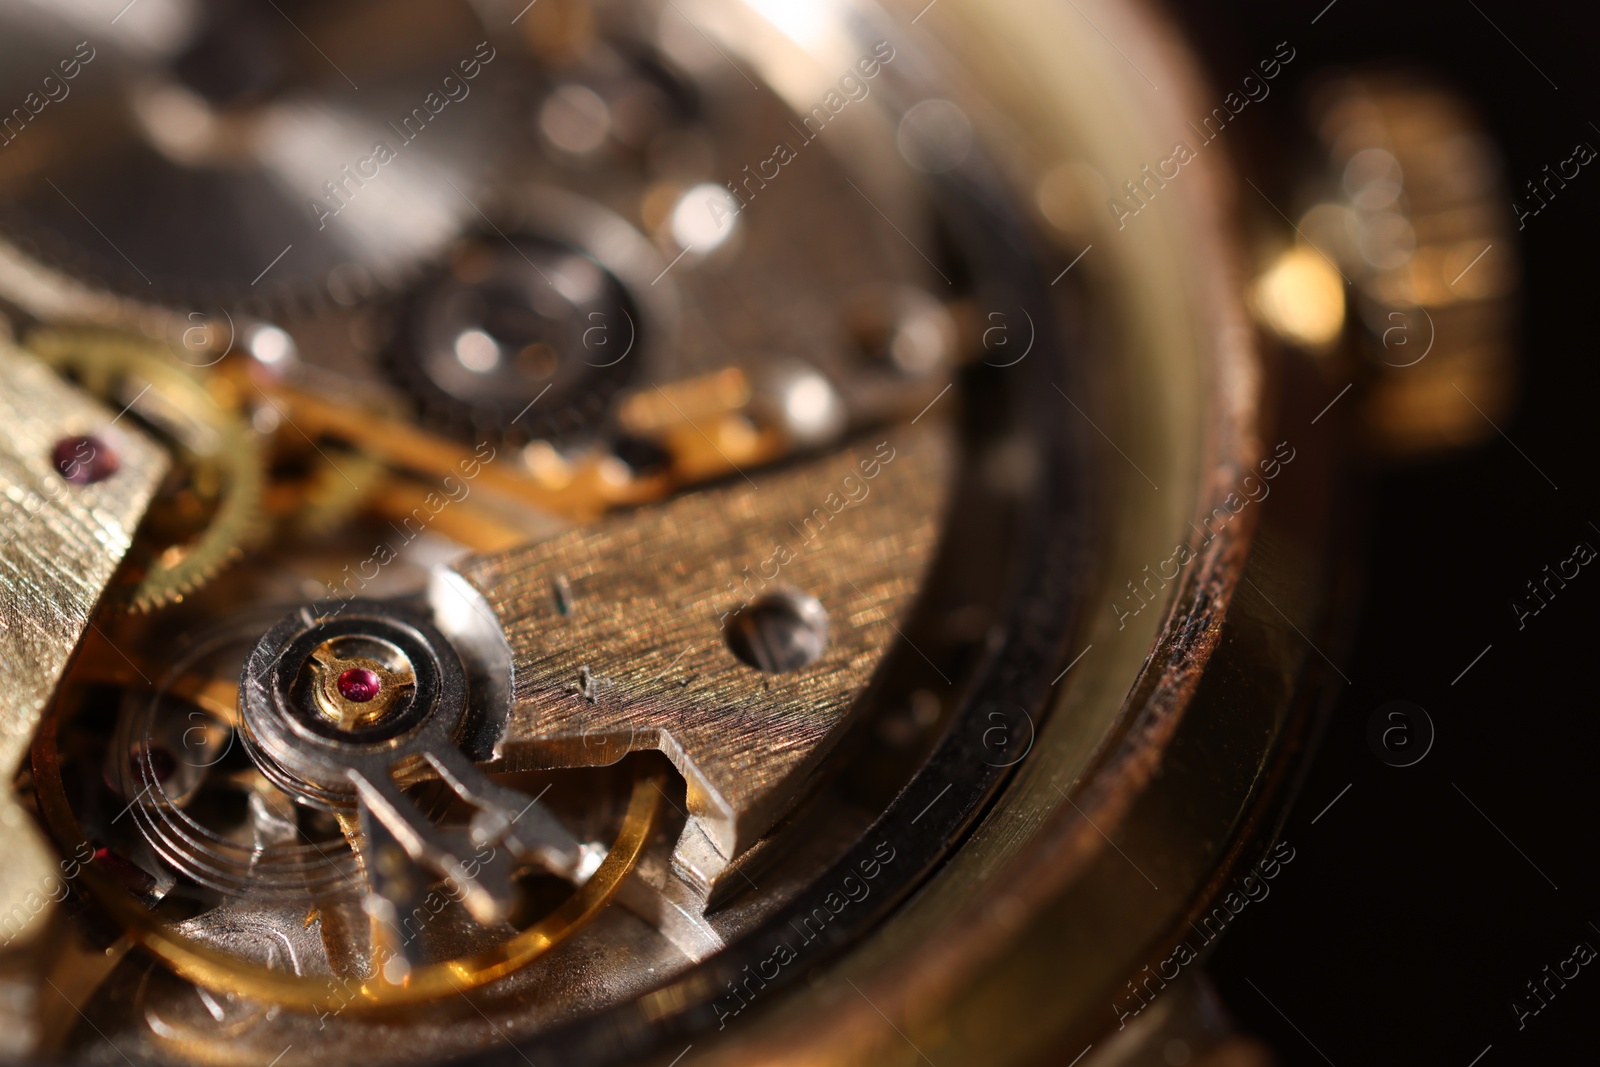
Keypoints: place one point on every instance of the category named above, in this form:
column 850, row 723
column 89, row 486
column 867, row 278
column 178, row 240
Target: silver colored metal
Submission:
column 237, row 132
column 362, row 768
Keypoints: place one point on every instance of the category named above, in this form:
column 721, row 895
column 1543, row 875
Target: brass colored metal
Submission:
column 76, row 969
column 215, row 970
column 478, row 528
column 222, row 450
column 659, row 410
column 704, row 423
column 619, row 632
column 587, row 492
column 59, row 546
column 394, row 681
column 709, row 446
column 1421, row 229
column 98, row 663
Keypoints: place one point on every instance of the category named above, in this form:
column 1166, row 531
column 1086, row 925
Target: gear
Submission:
column 215, row 511
column 520, row 343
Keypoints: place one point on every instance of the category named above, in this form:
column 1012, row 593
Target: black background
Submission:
column 1410, row 920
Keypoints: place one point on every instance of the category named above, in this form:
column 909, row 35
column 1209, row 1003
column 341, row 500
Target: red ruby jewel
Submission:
column 359, row 684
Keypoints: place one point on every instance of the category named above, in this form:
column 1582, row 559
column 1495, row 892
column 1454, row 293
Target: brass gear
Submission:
column 210, row 524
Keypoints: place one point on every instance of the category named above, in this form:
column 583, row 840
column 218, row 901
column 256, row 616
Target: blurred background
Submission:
column 1423, row 899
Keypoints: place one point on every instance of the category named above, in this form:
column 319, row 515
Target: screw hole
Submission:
column 780, row 632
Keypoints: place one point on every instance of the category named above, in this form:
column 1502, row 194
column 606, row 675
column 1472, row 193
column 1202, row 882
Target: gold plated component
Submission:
column 582, row 493
column 669, row 407
column 1421, row 230
column 60, row 542
column 700, row 422
column 354, row 691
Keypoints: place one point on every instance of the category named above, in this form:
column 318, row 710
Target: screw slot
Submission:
column 780, row 633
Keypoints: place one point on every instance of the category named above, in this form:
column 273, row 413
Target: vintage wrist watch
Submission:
column 704, row 532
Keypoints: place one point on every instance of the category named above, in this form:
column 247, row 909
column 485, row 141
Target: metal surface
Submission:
column 360, row 768
column 228, row 129
column 60, row 543
column 940, row 769
column 225, row 475
column 998, row 961
column 620, row 634
column 212, row 966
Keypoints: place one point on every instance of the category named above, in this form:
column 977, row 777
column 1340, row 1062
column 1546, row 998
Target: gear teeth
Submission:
column 580, row 405
column 98, row 359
